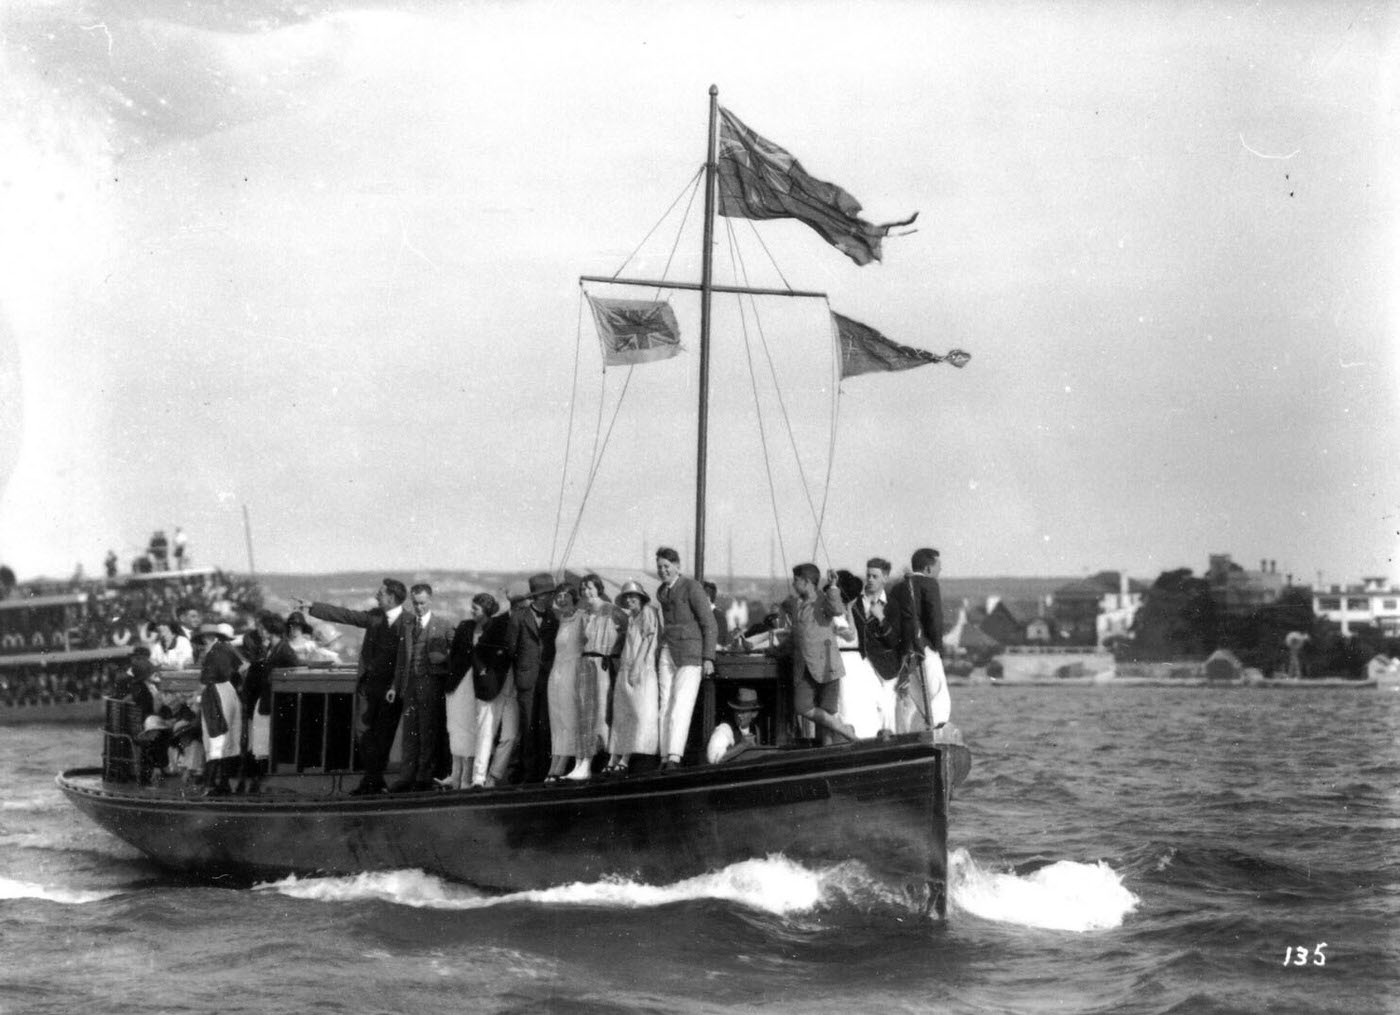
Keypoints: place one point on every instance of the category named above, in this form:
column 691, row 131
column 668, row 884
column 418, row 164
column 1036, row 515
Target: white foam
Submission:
column 775, row 885
column 1060, row 896
column 11, row 889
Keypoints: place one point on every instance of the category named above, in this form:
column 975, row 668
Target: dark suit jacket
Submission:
column 379, row 652
column 257, row 686
column 872, row 635
column 688, row 622
column 438, row 651
column 530, row 644
column 915, row 615
column 488, row 660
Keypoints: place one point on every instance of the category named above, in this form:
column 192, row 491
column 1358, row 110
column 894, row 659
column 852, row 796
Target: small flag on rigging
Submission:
column 864, row 351
column 635, row 331
column 759, row 180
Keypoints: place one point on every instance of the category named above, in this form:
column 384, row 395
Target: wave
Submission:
column 12, row 889
column 775, row 885
column 1063, row 895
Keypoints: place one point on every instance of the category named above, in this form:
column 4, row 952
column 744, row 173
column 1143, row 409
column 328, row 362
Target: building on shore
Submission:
column 1374, row 602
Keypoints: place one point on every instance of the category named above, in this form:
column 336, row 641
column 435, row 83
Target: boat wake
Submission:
column 1064, row 895
column 12, row 889
column 773, row 885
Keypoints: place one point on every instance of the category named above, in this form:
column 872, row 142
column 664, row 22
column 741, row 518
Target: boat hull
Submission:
column 883, row 803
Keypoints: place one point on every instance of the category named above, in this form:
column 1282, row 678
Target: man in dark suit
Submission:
column 379, row 654
column 424, row 664
column 915, row 619
column 530, row 633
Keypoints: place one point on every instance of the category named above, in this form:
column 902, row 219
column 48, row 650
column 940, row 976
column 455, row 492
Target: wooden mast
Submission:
column 702, row 438
column 706, row 288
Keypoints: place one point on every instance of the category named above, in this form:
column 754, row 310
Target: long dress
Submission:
column 636, row 711
column 461, row 714
column 603, row 630
column 563, row 685
column 861, row 690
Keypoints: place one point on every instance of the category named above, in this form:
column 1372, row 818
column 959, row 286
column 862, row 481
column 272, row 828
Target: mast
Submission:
column 705, row 282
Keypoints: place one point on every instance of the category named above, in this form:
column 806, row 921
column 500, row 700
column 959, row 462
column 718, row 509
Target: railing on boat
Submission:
column 315, row 714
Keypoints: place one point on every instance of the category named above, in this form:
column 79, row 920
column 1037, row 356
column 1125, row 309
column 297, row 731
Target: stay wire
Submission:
column 690, row 184
column 835, row 417
column 782, row 405
column 593, row 473
column 758, row 406
column 569, row 434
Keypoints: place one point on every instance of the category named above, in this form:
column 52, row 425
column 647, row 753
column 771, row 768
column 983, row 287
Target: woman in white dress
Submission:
column 171, row 649
column 563, row 682
column 636, row 695
column 603, row 624
column 861, row 689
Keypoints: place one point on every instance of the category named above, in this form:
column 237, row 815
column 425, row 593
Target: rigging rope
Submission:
column 758, row 409
column 569, row 435
column 690, row 184
column 600, row 446
column 782, row 405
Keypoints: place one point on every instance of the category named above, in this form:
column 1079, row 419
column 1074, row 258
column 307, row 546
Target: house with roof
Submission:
column 1238, row 592
column 1096, row 608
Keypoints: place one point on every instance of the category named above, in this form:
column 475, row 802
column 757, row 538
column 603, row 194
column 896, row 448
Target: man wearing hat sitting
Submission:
column 530, row 633
column 732, row 738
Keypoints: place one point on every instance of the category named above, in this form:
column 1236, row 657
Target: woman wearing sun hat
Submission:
column 636, row 693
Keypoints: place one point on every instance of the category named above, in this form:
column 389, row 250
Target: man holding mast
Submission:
column 915, row 619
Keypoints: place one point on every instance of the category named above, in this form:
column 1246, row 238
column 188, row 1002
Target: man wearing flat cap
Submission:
column 530, row 635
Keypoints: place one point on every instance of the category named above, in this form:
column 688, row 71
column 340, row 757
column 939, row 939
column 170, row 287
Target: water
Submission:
column 1114, row 850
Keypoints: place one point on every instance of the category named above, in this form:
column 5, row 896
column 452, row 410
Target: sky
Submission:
column 316, row 266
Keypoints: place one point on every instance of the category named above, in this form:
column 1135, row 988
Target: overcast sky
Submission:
column 321, row 260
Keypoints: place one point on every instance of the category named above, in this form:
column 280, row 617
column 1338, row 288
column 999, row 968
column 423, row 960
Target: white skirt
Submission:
column 860, row 695
column 461, row 719
column 226, row 745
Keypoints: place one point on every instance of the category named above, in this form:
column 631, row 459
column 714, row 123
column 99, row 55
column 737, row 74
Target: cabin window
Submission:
column 1329, row 603
column 1358, row 604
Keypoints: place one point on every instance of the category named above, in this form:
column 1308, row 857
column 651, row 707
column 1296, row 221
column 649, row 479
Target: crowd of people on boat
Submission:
column 566, row 685
column 570, row 684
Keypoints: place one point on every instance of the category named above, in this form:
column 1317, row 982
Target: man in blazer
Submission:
column 915, row 620
column 872, row 631
column 379, row 653
column 423, row 667
column 687, row 650
column 530, row 633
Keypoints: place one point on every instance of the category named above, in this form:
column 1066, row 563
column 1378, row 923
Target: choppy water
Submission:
column 1114, row 850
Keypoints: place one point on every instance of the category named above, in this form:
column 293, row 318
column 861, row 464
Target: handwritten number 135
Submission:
column 1298, row 955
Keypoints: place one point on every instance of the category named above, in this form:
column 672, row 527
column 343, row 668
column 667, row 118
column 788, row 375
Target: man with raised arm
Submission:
column 378, row 656
column 817, row 669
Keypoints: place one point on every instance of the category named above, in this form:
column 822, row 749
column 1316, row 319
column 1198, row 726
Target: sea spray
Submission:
column 775, row 885
column 1064, row 895
column 12, row 889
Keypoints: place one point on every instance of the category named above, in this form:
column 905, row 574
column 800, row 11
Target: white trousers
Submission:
column 679, row 686
column 912, row 711
column 498, row 714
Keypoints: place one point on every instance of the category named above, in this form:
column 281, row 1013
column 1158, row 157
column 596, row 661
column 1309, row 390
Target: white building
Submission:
column 1372, row 602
